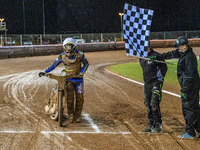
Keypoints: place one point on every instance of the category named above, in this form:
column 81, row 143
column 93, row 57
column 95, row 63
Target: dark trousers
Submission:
column 152, row 99
column 191, row 112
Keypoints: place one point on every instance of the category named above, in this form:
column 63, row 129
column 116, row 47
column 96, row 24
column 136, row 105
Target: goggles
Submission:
column 69, row 47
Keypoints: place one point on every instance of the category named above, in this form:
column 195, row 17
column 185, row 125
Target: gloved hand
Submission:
column 42, row 74
column 183, row 96
column 152, row 58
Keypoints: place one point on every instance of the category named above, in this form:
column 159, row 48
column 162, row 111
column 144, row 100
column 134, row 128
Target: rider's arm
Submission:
column 85, row 64
column 55, row 64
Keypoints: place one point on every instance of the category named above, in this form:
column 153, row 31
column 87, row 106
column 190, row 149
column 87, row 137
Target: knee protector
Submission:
column 155, row 98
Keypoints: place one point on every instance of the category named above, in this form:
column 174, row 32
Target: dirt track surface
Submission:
column 113, row 117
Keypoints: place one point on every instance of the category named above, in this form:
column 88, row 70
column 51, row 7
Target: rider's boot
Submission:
column 79, row 107
column 71, row 118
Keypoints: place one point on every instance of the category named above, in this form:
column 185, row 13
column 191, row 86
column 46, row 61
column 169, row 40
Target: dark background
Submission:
column 94, row 16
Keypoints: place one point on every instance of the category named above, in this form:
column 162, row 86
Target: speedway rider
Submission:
column 76, row 65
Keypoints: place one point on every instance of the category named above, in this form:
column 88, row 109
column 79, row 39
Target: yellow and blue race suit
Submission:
column 74, row 66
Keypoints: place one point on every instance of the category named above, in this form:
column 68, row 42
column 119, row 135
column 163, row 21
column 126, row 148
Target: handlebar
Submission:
column 60, row 79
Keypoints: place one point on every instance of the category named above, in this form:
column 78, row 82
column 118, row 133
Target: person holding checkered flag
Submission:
column 136, row 26
column 153, row 76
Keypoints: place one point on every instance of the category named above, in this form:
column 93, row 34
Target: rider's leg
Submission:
column 79, row 107
column 70, row 100
column 79, row 101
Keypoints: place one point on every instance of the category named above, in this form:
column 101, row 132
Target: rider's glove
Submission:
column 42, row 74
column 152, row 58
column 183, row 96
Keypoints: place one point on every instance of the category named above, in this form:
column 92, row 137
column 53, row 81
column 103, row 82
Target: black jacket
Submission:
column 187, row 72
column 153, row 71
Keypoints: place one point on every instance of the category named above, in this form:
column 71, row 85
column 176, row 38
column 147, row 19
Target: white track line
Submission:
column 170, row 93
column 81, row 132
column 125, row 78
column 86, row 117
column 89, row 119
column 64, row 132
column 17, row 132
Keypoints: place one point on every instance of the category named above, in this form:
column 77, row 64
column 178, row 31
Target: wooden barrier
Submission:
column 169, row 43
column 34, row 50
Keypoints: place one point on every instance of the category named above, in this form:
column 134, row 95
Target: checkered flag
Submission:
column 136, row 26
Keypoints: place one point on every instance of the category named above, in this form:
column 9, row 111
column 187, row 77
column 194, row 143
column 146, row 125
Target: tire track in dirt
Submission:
column 15, row 89
column 18, row 85
column 146, row 145
column 100, row 81
column 178, row 141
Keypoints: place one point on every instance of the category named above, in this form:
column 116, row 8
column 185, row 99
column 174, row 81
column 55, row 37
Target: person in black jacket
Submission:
column 153, row 76
column 188, row 78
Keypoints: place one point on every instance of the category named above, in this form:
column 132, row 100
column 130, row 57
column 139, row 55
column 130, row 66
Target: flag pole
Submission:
column 152, row 60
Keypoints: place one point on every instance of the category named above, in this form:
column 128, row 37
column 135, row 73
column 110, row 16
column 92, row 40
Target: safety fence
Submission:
column 40, row 39
column 38, row 50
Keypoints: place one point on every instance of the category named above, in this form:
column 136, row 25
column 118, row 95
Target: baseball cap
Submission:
column 182, row 40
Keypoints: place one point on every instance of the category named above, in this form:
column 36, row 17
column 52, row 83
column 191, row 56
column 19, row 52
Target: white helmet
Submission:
column 69, row 41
